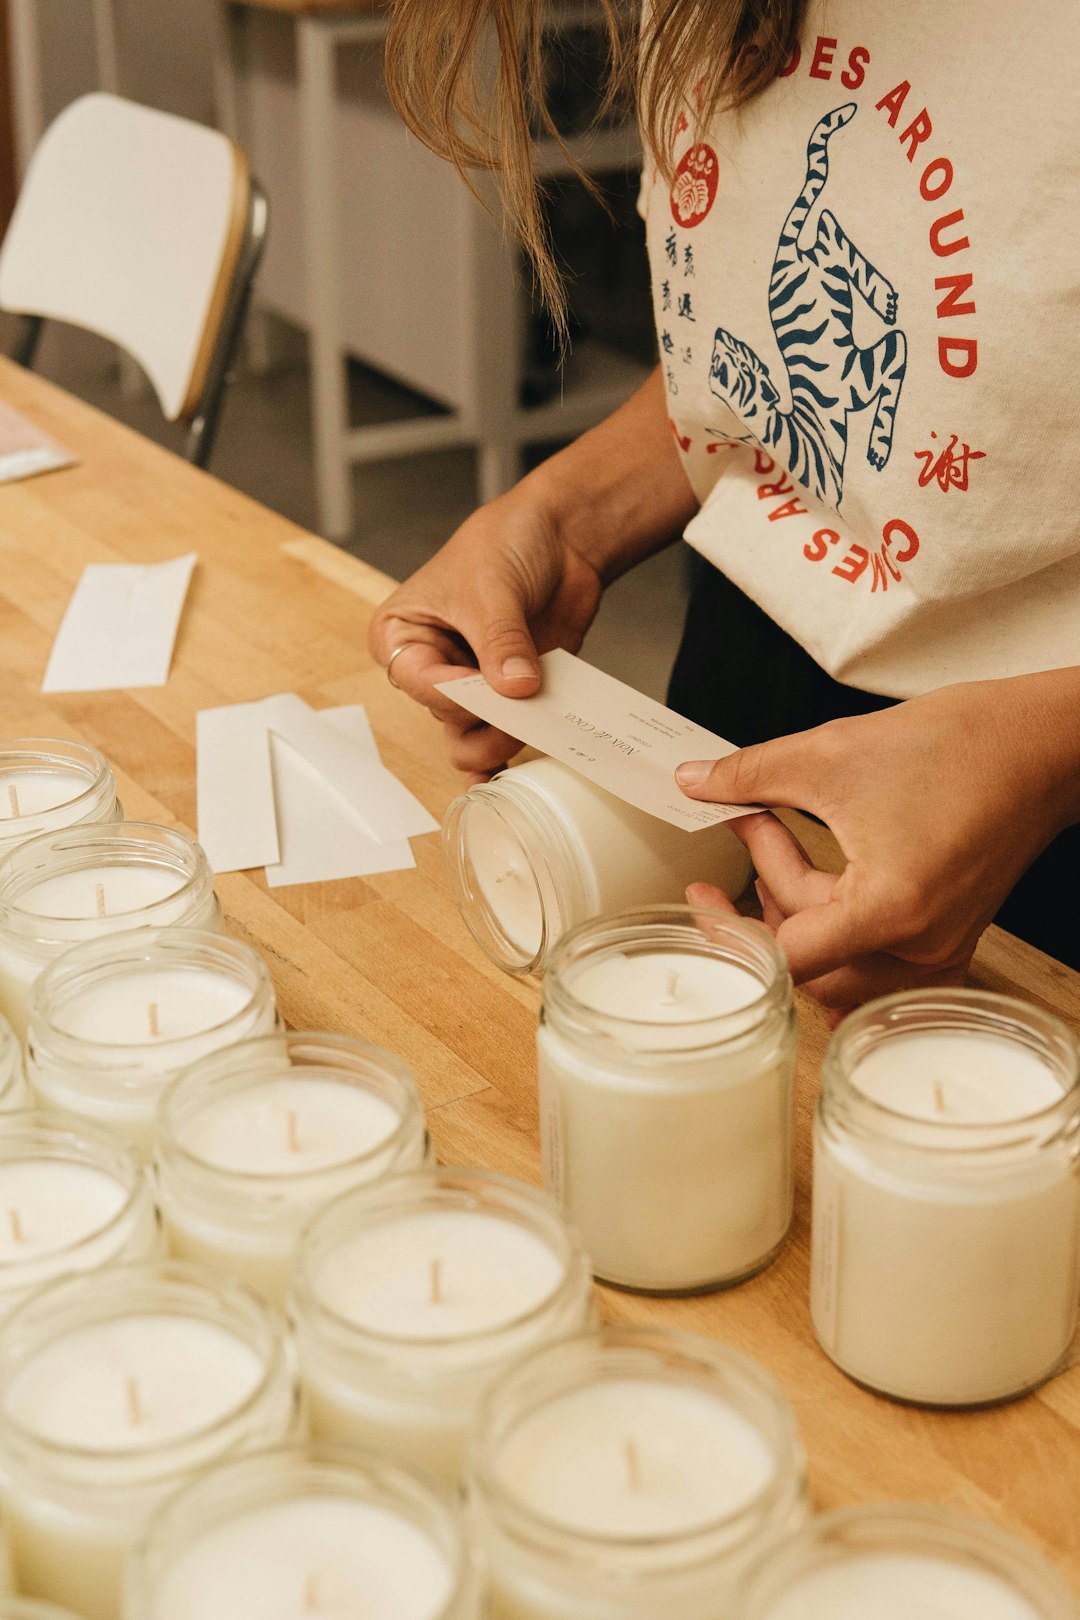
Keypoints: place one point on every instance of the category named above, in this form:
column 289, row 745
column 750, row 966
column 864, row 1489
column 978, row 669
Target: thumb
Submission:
column 499, row 636
column 782, row 772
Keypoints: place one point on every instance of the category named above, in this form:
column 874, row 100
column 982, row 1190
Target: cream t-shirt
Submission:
column 867, row 296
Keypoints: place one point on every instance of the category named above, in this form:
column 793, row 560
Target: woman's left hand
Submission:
column 939, row 805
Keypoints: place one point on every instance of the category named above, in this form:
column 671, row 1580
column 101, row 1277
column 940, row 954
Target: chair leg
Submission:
column 204, row 425
column 26, row 342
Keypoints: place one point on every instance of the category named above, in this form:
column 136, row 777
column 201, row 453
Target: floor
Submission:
column 405, row 508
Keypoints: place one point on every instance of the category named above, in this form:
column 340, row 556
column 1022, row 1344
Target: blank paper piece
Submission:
column 120, row 627
column 302, row 793
column 25, row 450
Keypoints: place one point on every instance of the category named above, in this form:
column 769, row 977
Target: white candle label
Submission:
column 616, row 737
column 825, row 1251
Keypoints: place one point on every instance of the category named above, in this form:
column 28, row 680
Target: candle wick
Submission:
column 671, row 994
column 311, row 1594
column 436, row 1282
column 16, row 1225
column 939, row 1096
column 633, row 1465
column 13, row 799
column 292, row 1126
column 135, row 1410
column 152, row 1018
column 99, row 896
column 502, row 877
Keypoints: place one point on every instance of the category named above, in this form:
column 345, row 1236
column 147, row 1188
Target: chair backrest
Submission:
column 129, row 223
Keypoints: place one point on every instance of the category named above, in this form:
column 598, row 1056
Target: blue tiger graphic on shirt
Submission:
column 811, row 300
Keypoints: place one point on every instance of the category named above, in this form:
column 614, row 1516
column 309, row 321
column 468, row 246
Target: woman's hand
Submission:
column 505, row 587
column 524, row 574
column 939, row 806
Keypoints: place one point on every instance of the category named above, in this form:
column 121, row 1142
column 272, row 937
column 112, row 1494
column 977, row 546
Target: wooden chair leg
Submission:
column 204, row 425
column 27, row 339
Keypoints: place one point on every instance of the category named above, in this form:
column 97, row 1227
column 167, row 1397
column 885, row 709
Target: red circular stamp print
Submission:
column 693, row 190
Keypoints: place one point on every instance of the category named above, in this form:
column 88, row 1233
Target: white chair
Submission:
column 146, row 229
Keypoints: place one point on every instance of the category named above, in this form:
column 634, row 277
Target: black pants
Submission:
column 739, row 674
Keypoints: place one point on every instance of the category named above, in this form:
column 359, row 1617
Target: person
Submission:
column 862, row 229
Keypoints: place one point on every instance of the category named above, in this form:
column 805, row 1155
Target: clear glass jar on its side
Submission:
column 666, row 1052
column 946, row 1215
column 629, row 1474
column 72, row 1202
column 65, row 887
column 115, row 1390
column 253, row 1141
column 538, row 850
column 410, row 1296
column 13, row 1089
column 18, row 1608
column 114, row 1020
column 50, row 782
column 903, row 1562
column 308, row 1530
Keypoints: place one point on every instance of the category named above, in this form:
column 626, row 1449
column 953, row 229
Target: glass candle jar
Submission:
column 114, row 1390
column 410, row 1296
column 310, row 1531
column 62, row 888
column 16, row 1608
column 13, row 1090
column 47, row 783
column 538, row 850
column 72, row 1201
column 666, row 1054
column 946, row 1219
column 254, row 1140
column 902, row 1563
column 113, row 1020
column 630, row 1474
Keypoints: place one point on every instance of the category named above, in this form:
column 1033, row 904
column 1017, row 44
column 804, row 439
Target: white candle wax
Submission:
column 47, row 784
column 65, row 1207
column 635, row 1458
column 899, row 1586
column 13, row 1092
column 314, row 1557
column 666, row 1118
column 626, row 1475
column 267, row 1157
column 102, row 1419
column 404, row 1319
column 58, row 890
column 113, row 1021
column 944, row 1274
column 540, row 850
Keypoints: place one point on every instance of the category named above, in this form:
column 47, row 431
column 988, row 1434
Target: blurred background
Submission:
column 395, row 369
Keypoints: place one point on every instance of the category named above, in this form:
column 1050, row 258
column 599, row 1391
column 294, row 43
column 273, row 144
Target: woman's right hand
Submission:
column 504, row 588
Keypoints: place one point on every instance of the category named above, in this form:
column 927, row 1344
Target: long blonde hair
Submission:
column 467, row 77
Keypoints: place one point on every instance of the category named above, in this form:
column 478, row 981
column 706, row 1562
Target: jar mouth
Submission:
column 396, row 1199
column 49, row 753
column 94, row 962
column 658, row 930
column 955, row 1010
column 238, row 1487
column 525, row 951
column 119, row 844
column 25, row 1134
column 220, row 1076
column 188, row 1291
column 902, row 1529
column 628, row 1353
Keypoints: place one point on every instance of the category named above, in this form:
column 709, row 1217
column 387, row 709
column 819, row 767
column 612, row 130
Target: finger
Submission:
column 499, row 634
column 707, row 897
column 824, row 938
column 880, row 975
column 771, row 915
column 783, row 865
column 479, row 750
column 419, row 668
column 785, row 772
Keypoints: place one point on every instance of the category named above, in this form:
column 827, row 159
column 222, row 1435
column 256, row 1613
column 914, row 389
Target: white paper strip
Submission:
column 616, row 737
column 120, row 627
column 235, row 787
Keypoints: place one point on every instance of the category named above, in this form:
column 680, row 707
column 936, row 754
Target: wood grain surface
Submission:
column 387, row 958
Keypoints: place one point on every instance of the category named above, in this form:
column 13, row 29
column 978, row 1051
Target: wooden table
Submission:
column 387, row 958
